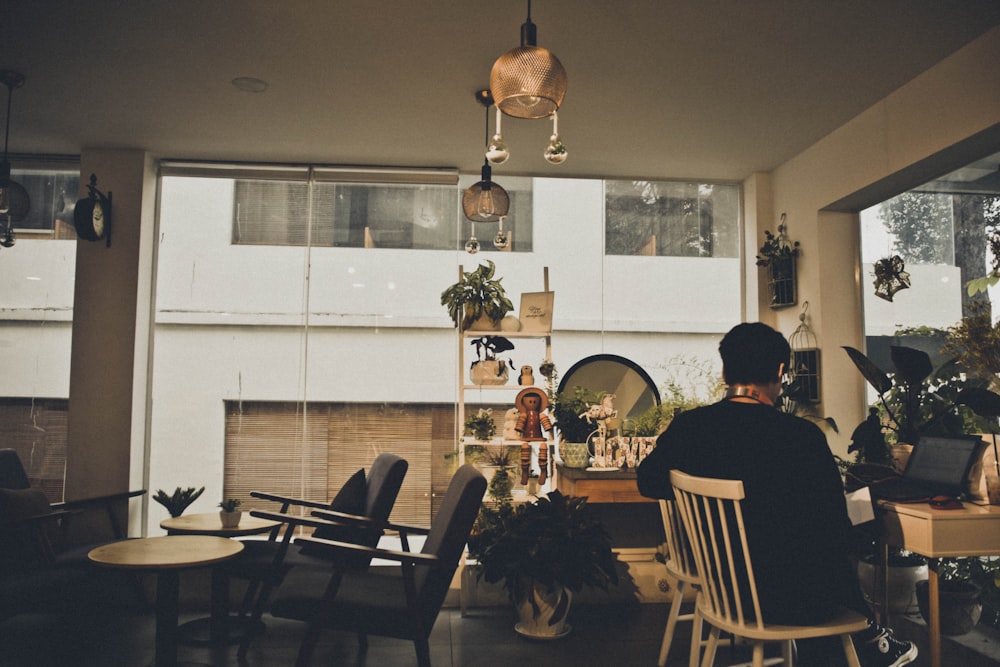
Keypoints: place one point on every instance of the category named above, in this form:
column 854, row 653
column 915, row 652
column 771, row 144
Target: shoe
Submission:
column 877, row 647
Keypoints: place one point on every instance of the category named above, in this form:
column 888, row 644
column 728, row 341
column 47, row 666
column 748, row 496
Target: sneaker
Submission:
column 877, row 647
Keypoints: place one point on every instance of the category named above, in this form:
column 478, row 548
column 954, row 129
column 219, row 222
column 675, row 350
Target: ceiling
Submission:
column 702, row 89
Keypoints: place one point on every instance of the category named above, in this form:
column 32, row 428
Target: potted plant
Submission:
column 487, row 368
column 961, row 584
column 477, row 295
column 480, row 424
column 543, row 552
column 778, row 256
column 568, row 410
column 179, row 501
column 230, row 514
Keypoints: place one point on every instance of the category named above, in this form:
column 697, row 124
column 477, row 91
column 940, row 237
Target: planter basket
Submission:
column 781, row 282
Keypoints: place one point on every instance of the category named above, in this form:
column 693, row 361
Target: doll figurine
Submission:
column 532, row 424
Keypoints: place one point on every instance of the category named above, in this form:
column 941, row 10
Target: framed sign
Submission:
column 536, row 311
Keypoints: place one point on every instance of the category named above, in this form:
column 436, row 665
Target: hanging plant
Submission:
column 977, row 285
column 890, row 277
column 777, row 255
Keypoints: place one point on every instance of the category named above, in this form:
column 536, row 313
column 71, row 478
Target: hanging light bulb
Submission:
column 497, row 151
column 7, row 240
column 501, row 240
column 485, row 201
column 555, row 152
column 472, row 245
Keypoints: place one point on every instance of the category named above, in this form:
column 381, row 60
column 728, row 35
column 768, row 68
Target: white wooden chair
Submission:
column 681, row 568
column 713, row 522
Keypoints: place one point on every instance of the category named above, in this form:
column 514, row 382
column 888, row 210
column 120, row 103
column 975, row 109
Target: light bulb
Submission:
column 555, row 152
column 4, row 201
column 501, row 240
column 486, row 207
column 497, row 152
column 472, row 245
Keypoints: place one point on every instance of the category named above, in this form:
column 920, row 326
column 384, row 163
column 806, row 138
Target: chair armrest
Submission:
column 294, row 520
column 403, row 557
column 97, row 500
column 39, row 518
column 341, row 518
column 288, row 501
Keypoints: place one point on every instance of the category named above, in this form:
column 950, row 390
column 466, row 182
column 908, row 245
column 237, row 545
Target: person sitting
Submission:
column 794, row 510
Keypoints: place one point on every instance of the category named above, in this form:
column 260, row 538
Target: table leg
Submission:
column 167, row 591
column 934, row 611
column 220, row 606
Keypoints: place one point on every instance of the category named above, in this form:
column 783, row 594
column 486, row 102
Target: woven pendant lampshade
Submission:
column 528, row 81
column 485, row 201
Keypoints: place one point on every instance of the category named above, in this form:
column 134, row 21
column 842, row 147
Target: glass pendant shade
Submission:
column 528, row 81
column 485, row 201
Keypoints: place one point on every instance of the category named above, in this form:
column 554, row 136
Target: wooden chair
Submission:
column 681, row 568
column 357, row 514
column 712, row 514
column 401, row 601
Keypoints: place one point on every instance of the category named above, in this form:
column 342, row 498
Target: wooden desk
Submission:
column 210, row 524
column 166, row 556
column 600, row 486
column 936, row 533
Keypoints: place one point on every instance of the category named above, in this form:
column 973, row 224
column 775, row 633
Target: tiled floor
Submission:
column 605, row 634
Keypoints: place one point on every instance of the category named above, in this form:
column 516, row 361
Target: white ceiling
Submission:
column 705, row 89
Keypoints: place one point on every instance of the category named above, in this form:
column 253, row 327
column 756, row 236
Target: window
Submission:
column 671, row 219
column 36, row 430
column 53, row 193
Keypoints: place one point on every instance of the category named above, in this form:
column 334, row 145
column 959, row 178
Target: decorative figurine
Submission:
column 527, row 377
column 532, row 424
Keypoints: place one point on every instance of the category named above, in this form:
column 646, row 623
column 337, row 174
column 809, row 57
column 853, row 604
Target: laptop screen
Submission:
column 943, row 460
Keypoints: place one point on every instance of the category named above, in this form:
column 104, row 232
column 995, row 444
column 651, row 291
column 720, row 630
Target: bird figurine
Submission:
column 527, row 377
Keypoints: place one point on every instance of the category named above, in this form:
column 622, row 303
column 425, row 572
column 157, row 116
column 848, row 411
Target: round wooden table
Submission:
column 166, row 556
column 210, row 524
column 209, row 630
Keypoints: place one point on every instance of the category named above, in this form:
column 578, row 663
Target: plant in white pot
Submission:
column 477, row 296
column 568, row 410
column 543, row 552
column 487, row 368
column 230, row 514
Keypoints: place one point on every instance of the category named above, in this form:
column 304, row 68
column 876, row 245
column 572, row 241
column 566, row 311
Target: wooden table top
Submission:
column 166, row 552
column 211, row 524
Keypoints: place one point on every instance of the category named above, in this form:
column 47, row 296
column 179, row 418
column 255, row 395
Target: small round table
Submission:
column 166, row 556
column 202, row 631
column 211, row 524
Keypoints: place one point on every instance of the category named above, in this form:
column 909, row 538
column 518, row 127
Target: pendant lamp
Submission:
column 14, row 200
column 528, row 81
column 485, row 201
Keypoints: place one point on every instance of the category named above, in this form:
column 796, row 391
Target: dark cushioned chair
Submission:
column 365, row 499
column 394, row 601
column 40, row 569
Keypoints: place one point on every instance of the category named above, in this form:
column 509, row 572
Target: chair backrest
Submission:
column 679, row 558
column 447, row 537
column 713, row 522
column 12, row 473
column 385, row 477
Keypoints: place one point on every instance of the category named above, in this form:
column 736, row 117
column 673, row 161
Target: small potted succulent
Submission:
column 179, row 500
column 230, row 514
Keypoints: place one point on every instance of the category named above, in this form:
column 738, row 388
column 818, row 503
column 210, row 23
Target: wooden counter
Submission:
column 600, row 486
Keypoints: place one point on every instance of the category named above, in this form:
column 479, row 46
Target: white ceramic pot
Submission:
column 489, row 372
column 543, row 612
column 902, row 585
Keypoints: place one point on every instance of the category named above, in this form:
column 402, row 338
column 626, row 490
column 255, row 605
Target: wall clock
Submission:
column 92, row 215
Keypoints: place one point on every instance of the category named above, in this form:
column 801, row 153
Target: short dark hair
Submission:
column 751, row 353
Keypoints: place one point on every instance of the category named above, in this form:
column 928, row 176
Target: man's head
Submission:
column 753, row 353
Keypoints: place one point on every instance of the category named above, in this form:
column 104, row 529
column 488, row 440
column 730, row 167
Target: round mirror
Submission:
column 634, row 390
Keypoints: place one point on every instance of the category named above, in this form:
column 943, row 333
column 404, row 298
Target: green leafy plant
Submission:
column 476, row 294
column 915, row 400
column 977, row 285
column 975, row 342
column 776, row 247
column 567, row 409
column 650, row 423
column 501, row 486
column 230, row 504
column 557, row 540
column 179, row 501
column 984, row 572
column 480, row 424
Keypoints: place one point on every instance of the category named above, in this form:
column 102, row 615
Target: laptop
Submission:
column 938, row 466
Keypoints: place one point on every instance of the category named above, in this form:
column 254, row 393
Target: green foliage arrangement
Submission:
column 480, row 424
column 557, row 540
column 179, row 500
column 230, row 504
column 477, row 293
column 776, row 247
column 567, row 407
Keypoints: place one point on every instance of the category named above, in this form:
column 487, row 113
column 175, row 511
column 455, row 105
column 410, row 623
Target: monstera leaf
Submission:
column 876, row 376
